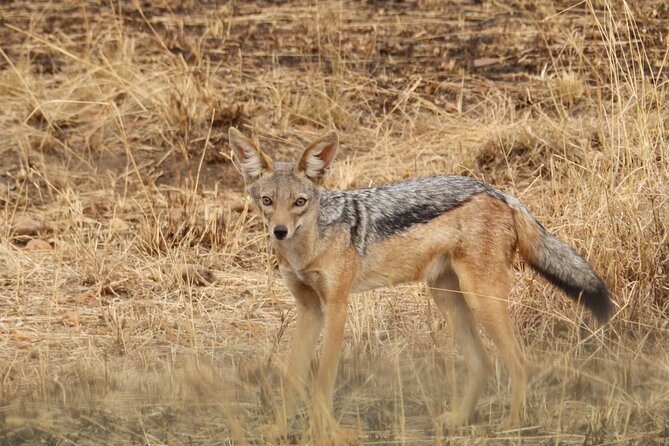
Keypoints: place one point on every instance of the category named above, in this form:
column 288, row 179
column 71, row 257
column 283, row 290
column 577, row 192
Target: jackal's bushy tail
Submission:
column 559, row 263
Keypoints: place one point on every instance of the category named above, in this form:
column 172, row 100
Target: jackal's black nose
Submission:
column 280, row 232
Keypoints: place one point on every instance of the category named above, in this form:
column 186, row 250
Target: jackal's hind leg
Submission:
column 486, row 293
column 446, row 293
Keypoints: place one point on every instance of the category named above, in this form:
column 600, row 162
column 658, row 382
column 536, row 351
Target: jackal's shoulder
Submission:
column 376, row 213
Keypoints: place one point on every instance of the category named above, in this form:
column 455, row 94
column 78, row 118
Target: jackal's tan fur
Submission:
column 458, row 235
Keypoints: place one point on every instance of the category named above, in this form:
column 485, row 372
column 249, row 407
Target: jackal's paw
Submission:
column 453, row 420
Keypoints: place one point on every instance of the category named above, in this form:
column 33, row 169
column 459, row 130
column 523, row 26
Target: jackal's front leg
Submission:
column 305, row 336
column 335, row 322
column 304, row 341
column 324, row 428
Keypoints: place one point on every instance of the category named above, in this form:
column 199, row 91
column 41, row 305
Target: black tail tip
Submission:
column 594, row 296
column 598, row 301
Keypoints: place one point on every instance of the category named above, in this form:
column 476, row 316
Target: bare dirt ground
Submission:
column 139, row 303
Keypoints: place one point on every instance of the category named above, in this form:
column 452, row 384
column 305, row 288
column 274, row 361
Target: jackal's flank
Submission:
column 455, row 233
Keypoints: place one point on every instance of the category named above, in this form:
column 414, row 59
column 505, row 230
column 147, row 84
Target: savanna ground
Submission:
column 139, row 300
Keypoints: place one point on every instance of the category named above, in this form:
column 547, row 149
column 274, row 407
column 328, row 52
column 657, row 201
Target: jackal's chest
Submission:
column 299, row 265
column 295, row 261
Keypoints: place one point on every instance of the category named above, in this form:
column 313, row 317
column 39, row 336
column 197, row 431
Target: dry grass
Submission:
column 114, row 122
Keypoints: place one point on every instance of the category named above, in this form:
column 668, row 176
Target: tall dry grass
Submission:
column 154, row 314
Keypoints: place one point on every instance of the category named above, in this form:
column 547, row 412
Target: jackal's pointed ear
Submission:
column 316, row 159
column 252, row 160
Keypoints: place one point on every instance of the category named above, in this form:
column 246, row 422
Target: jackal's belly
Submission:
column 418, row 254
column 374, row 280
column 393, row 274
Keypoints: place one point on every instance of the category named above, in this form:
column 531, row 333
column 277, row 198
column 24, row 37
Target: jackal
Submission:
column 455, row 233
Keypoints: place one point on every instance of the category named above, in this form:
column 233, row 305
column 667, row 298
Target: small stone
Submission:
column 38, row 245
column 28, row 226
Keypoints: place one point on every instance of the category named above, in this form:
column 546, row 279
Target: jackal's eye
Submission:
column 300, row 201
column 266, row 201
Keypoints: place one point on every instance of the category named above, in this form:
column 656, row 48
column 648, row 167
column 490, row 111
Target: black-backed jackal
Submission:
column 455, row 233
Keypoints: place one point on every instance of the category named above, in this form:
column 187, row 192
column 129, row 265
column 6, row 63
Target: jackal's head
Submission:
column 285, row 193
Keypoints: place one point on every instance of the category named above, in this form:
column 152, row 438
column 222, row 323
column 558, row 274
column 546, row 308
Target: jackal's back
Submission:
column 377, row 213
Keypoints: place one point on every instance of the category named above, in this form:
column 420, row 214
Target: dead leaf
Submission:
column 117, row 225
column 20, row 335
column 486, row 61
column 198, row 275
column 70, row 318
column 85, row 297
